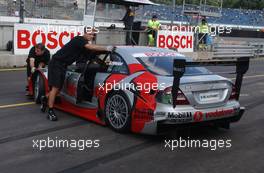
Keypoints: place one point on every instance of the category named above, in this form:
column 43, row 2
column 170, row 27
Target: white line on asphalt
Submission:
column 248, row 77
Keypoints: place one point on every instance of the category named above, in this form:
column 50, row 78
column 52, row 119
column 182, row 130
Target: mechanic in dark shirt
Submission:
column 38, row 57
column 68, row 54
column 128, row 21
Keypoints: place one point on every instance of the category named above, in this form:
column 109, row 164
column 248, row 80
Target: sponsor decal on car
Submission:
column 180, row 116
column 200, row 116
column 219, row 113
column 144, row 114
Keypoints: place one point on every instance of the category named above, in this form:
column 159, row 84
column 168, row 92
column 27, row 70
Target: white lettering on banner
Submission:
column 182, row 41
column 157, row 54
column 52, row 36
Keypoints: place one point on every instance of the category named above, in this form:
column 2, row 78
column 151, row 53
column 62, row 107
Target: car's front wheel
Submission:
column 39, row 89
column 117, row 112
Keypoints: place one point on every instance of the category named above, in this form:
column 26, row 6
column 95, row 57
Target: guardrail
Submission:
column 226, row 51
column 258, row 48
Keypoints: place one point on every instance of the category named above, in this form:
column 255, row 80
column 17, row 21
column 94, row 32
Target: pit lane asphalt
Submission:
column 21, row 124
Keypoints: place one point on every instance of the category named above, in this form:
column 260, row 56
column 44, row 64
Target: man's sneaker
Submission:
column 44, row 103
column 28, row 94
column 51, row 115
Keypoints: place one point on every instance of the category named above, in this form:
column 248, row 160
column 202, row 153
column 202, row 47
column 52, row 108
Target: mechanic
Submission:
column 203, row 34
column 128, row 20
column 38, row 57
column 153, row 27
column 64, row 57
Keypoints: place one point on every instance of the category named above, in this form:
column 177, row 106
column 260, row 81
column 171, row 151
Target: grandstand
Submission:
column 75, row 10
column 229, row 16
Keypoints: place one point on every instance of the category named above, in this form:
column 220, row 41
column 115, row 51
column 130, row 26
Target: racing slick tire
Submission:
column 39, row 89
column 118, row 112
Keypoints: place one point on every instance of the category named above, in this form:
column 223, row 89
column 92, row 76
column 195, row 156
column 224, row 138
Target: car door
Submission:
column 104, row 81
column 69, row 90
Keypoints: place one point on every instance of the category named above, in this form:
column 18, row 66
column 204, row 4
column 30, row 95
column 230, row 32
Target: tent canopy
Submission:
column 128, row 2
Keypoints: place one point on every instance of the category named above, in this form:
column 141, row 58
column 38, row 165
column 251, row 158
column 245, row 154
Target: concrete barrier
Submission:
column 8, row 59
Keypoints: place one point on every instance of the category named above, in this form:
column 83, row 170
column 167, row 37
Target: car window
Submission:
column 164, row 66
column 116, row 64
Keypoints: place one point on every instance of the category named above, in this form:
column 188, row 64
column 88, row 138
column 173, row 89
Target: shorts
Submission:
column 56, row 73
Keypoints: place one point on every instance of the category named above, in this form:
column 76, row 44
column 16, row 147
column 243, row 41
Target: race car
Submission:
column 147, row 90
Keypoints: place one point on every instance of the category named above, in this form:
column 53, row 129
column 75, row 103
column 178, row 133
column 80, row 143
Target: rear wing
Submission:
column 179, row 65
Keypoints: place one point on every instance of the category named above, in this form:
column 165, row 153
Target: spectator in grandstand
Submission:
column 203, row 33
column 153, row 27
column 75, row 5
column 128, row 21
column 38, row 57
column 68, row 54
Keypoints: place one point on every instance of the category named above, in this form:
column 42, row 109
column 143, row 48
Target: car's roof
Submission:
column 129, row 52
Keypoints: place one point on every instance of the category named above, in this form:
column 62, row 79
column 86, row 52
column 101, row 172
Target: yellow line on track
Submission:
column 12, row 69
column 16, row 105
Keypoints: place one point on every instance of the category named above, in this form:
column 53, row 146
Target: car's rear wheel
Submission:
column 39, row 89
column 117, row 112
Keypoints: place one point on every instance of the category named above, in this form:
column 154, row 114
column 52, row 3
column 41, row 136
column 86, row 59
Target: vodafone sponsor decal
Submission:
column 52, row 36
column 182, row 41
column 200, row 116
column 219, row 113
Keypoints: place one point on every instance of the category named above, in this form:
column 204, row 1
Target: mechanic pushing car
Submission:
column 68, row 54
column 38, row 57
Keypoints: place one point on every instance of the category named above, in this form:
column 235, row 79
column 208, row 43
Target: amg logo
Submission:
column 180, row 116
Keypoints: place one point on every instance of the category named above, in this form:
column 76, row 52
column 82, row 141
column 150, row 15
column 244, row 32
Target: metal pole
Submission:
column 85, row 7
column 21, row 11
column 94, row 12
column 173, row 12
column 204, row 5
column 221, row 1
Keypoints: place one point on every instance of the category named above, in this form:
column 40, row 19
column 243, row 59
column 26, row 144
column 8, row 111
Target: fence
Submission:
column 47, row 9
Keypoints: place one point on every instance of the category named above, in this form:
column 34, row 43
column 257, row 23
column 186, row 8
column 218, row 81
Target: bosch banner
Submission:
column 182, row 41
column 52, row 36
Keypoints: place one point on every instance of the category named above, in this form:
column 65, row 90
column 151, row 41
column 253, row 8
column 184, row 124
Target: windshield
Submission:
column 164, row 66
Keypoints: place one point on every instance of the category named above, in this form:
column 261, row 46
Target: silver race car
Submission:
column 147, row 90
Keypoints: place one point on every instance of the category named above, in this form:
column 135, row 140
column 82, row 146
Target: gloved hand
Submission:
column 33, row 69
column 110, row 48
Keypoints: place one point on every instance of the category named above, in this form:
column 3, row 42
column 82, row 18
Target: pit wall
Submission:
column 106, row 37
